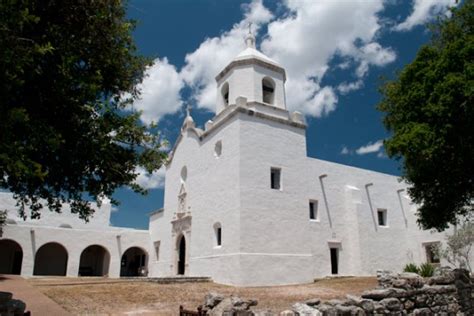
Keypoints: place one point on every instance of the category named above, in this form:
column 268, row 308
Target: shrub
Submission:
column 411, row 267
column 426, row 270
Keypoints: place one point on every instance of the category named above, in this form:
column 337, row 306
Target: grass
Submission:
column 92, row 296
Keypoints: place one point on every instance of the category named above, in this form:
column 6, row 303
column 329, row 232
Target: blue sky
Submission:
column 335, row 53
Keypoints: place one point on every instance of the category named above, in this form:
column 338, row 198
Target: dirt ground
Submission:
column 109, row 297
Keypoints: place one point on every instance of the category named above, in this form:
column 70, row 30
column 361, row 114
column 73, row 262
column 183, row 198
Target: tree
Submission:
column 458, row 246
column 68, row 71
column 429, row 112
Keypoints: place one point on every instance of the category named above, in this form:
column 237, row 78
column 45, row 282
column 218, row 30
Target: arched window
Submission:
column 225, row 93
column 218, row 234
column 268, row 90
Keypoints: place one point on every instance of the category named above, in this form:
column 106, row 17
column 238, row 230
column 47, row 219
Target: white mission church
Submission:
column 243, row 204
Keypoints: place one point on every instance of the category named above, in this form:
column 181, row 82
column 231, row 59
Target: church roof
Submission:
column 251, row 53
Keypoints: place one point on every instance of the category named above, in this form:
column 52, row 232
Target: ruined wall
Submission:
column 450, row 293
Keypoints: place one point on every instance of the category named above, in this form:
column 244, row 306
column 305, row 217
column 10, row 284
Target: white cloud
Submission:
column 370, row 148
column 373, row 53
column 150, row 181
column 424, row 11
column 215, row 53
column 306, row 40
column 160, row 91
column 346, row 87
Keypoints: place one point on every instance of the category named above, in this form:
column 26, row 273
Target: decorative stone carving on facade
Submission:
column 181, row 224
column 182, row 200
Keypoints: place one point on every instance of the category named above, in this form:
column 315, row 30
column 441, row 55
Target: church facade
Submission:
column 243, row 204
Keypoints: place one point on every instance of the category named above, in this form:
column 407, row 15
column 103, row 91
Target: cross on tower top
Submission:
column 250, row 39
column 188, row 110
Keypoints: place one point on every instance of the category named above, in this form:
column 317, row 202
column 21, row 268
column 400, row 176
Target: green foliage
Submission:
column 429, row 111
column 65, row 69
column 411, row 267
column 426, row 270
column 458, row 246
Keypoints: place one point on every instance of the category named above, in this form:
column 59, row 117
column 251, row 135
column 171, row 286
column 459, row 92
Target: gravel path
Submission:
column 146, row 298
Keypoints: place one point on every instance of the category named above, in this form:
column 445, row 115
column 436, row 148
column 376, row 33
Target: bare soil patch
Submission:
column 81, row 296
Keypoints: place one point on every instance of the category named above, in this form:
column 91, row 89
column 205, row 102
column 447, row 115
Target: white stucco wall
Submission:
column 32, row 234
column 212, row 197
column 100, row 218
column 31, row 238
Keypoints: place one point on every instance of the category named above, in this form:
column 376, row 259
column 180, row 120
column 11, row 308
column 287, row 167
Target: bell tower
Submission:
column 252, row 75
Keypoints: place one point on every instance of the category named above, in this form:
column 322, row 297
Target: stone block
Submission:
column 305, row 310
column 378, row 294
column 391, row 304
column 313, row 302
column 212, row 299
column 422, row 312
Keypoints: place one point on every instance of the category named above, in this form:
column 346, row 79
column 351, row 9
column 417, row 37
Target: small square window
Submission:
column 275, row 178
column 313, row 210
column 382, row 217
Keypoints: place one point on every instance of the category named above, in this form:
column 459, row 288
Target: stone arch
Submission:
column 181, row 254
column 95, row 261
column 225, row 94
column 134, row 262
column 51, row 259
column 268, row 90
column 11, row 257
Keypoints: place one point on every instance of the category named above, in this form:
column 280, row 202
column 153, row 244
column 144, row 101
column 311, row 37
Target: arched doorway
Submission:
column 94, row 261
column 51, row 259
column 11, row 257
column 133, row 262
column 181, row 255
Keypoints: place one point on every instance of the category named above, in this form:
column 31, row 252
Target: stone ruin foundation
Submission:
column 451, row 292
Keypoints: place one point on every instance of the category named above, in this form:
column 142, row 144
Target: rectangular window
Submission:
column 219, row 236
column 431, row 253
column 275, row 178
column 157, row 249
column 382, row 217
column 313, row 210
